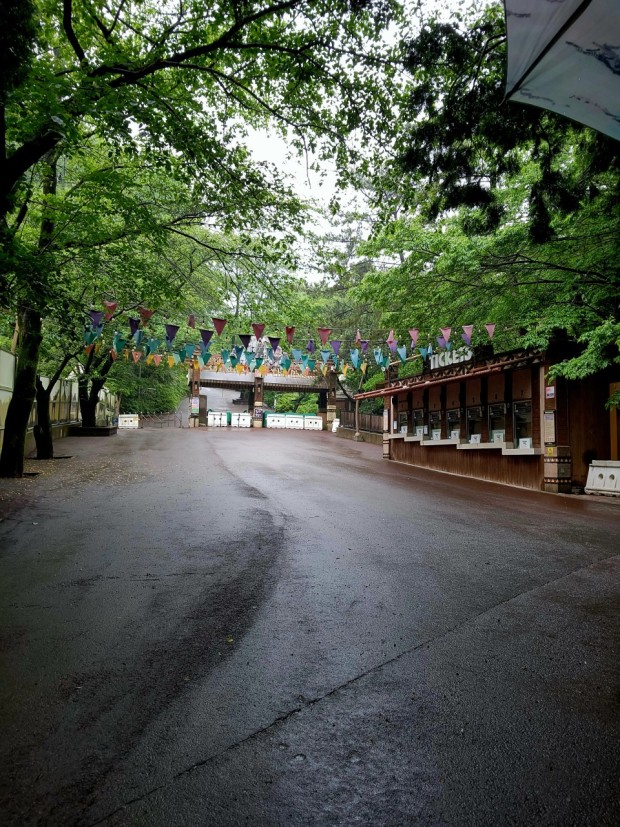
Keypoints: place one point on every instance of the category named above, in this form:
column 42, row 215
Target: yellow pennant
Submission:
column 263, row 370
column 325, row 368
column 345, row 369
column 239, row 368
column 170, row 361
column 364, row 367
column 149, row 359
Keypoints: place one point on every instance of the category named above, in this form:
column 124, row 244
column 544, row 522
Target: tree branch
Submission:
column 68, row 27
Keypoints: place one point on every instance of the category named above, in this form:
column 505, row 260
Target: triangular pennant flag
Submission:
column 274, row 341
column 311, row 364
column 233, row 360
column 290, row 332
column 466, row 335
column 219, row 325
column 239, row 368
column 378, row 353
column 205, row 356
column 335, row 361
column 88, row 349
column 325, row 354
column 335, row 343
column 258, row 329
column 205, row 335
column 134, row 324
column 304, row 361
column 191, row 320
column 358, row 336
column 270, row 354
column 138, row 336
column 490, row 330
column 423, row 352
column 145, row 314
column 176, row 358
column 414, row 333
column 149, row 358
column 263, row 370
column 355, row 357
column 119, row 342
column 110, row 306
column 157, row 359
column 296, row 354
column 258, row 363
column 245, row 339
column 189, row 350
column 113, row 355
column 445, row 332
column 225, row 354
column 402, row 353
column 171, row 361
column 324, row 370
column 96, row 317
column 364, row 345
column 364, row 367
column 324, row 334
column 238, row 351
column 136, row 356
column 345, row 370
column 152, row 345
column 200, row 362
column 310, row 346
column 441, row 341
column 171, row 332
column 393, row 345
column 285, row 362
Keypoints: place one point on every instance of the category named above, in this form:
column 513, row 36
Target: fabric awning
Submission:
column 565, row 56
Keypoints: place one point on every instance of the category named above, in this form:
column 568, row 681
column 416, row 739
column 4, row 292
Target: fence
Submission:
column 368, row 422
column 163, row 420
column 64, row 402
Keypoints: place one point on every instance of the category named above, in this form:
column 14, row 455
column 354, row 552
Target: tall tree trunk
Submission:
column 20, row 406
column 89, row 398
column 43, row 427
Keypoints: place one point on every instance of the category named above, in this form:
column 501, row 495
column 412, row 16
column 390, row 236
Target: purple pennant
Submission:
column 205, row 335
column 441, row 341
column 171, row 332
column 466, row 339
column 134, row 324
column 96, row 317
column 335, row 343
column 274, row 341
column 310, row 346
column 392, row 344
column 364, row 345
column 414, row 333
column 245, row 339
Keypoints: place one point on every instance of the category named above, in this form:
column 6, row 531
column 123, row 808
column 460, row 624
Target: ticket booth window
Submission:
column 418, row 421
column 497, row 423
column 474, row 424
column 434, row 424
column 453, row 419
column 523, row 424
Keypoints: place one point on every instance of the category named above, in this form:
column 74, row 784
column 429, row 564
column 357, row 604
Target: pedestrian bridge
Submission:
column 290, row 383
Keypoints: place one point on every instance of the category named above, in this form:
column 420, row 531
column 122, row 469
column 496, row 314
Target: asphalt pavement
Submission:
column 225, row 627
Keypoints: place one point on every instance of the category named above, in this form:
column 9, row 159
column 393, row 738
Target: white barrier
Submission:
column 313, row 423
column 604, row 478
column 234, row 419
column 128, row 421
column 294, row 421
column 245, row 420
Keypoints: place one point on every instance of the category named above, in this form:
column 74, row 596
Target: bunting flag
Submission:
column 402, row 352
column 171, row 361
column 245, row 339
column 310, row 346
column 137, row 337
column 189, row 350
column 88, row 349
column 200, row 362
column 441, row 342
column 358, row 336
column 89, row 337
column 345, row 370
column 225, row 355
column 490, row 330
column 145, row 314
column 134, row 324
column 176, row 358
column 335, row 343
column 270, row 354
column 325, row 354
column 304, row 361
column 290, row 332
column 151, row 345
column 205, row 356
column 285, row 362
column 219, row 325
column 96, row 317
column 238, row 351
column 171, row 332
column 157, row 359
column 119, row 342
column 364, row 345
column 335, row 361
column 136, row 356
column 386, row 362
column 466, row 335
column 204, row 349
column 274, row 341
column 258, row 363
column 324, row 334
column 414, row 333
column 390, row 339
column 113, row 355
column 110, row 308
column 191, row 320
column 263, row 370
column 311, row 365
column 378, row 353
column 258, row 329
column 149, row 358
column 364, row 367
column 393, row 345
column 205, row 335
column 296, row 355
column 324, row 370
column 355, row 357
column 445, row 332
column 239, row 367
column 423, row 352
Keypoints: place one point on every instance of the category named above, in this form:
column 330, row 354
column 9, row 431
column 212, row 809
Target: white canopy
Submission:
column 564, row 55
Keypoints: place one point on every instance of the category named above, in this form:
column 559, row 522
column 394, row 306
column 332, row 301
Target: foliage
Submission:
column 146, row 388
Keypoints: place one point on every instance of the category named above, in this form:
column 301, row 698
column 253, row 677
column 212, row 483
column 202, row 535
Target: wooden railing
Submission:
column 368, row 422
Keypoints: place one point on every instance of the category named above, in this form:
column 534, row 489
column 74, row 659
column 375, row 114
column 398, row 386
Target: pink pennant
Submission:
column 113, row 355
column 290, row 332
column 324, row 333
column 468, row 329
column 110, row 306
column 445, row 332
column 258, row 329
column 136, row 355
column 358, row 336
column 391, row 338
column 219, row 325
column 157, row 359
column 145, row 314
column 490, row 330
column 414, row 333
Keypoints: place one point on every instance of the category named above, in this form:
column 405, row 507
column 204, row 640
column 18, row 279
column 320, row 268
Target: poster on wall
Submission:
column 195, row 406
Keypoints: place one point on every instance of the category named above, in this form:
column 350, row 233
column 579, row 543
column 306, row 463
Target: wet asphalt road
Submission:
column 280, row 628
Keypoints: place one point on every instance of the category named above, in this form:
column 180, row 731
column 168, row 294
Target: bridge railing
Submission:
column 368, row 422
column 165, row 420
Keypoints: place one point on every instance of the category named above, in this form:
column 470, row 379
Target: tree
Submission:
column 185, row 81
